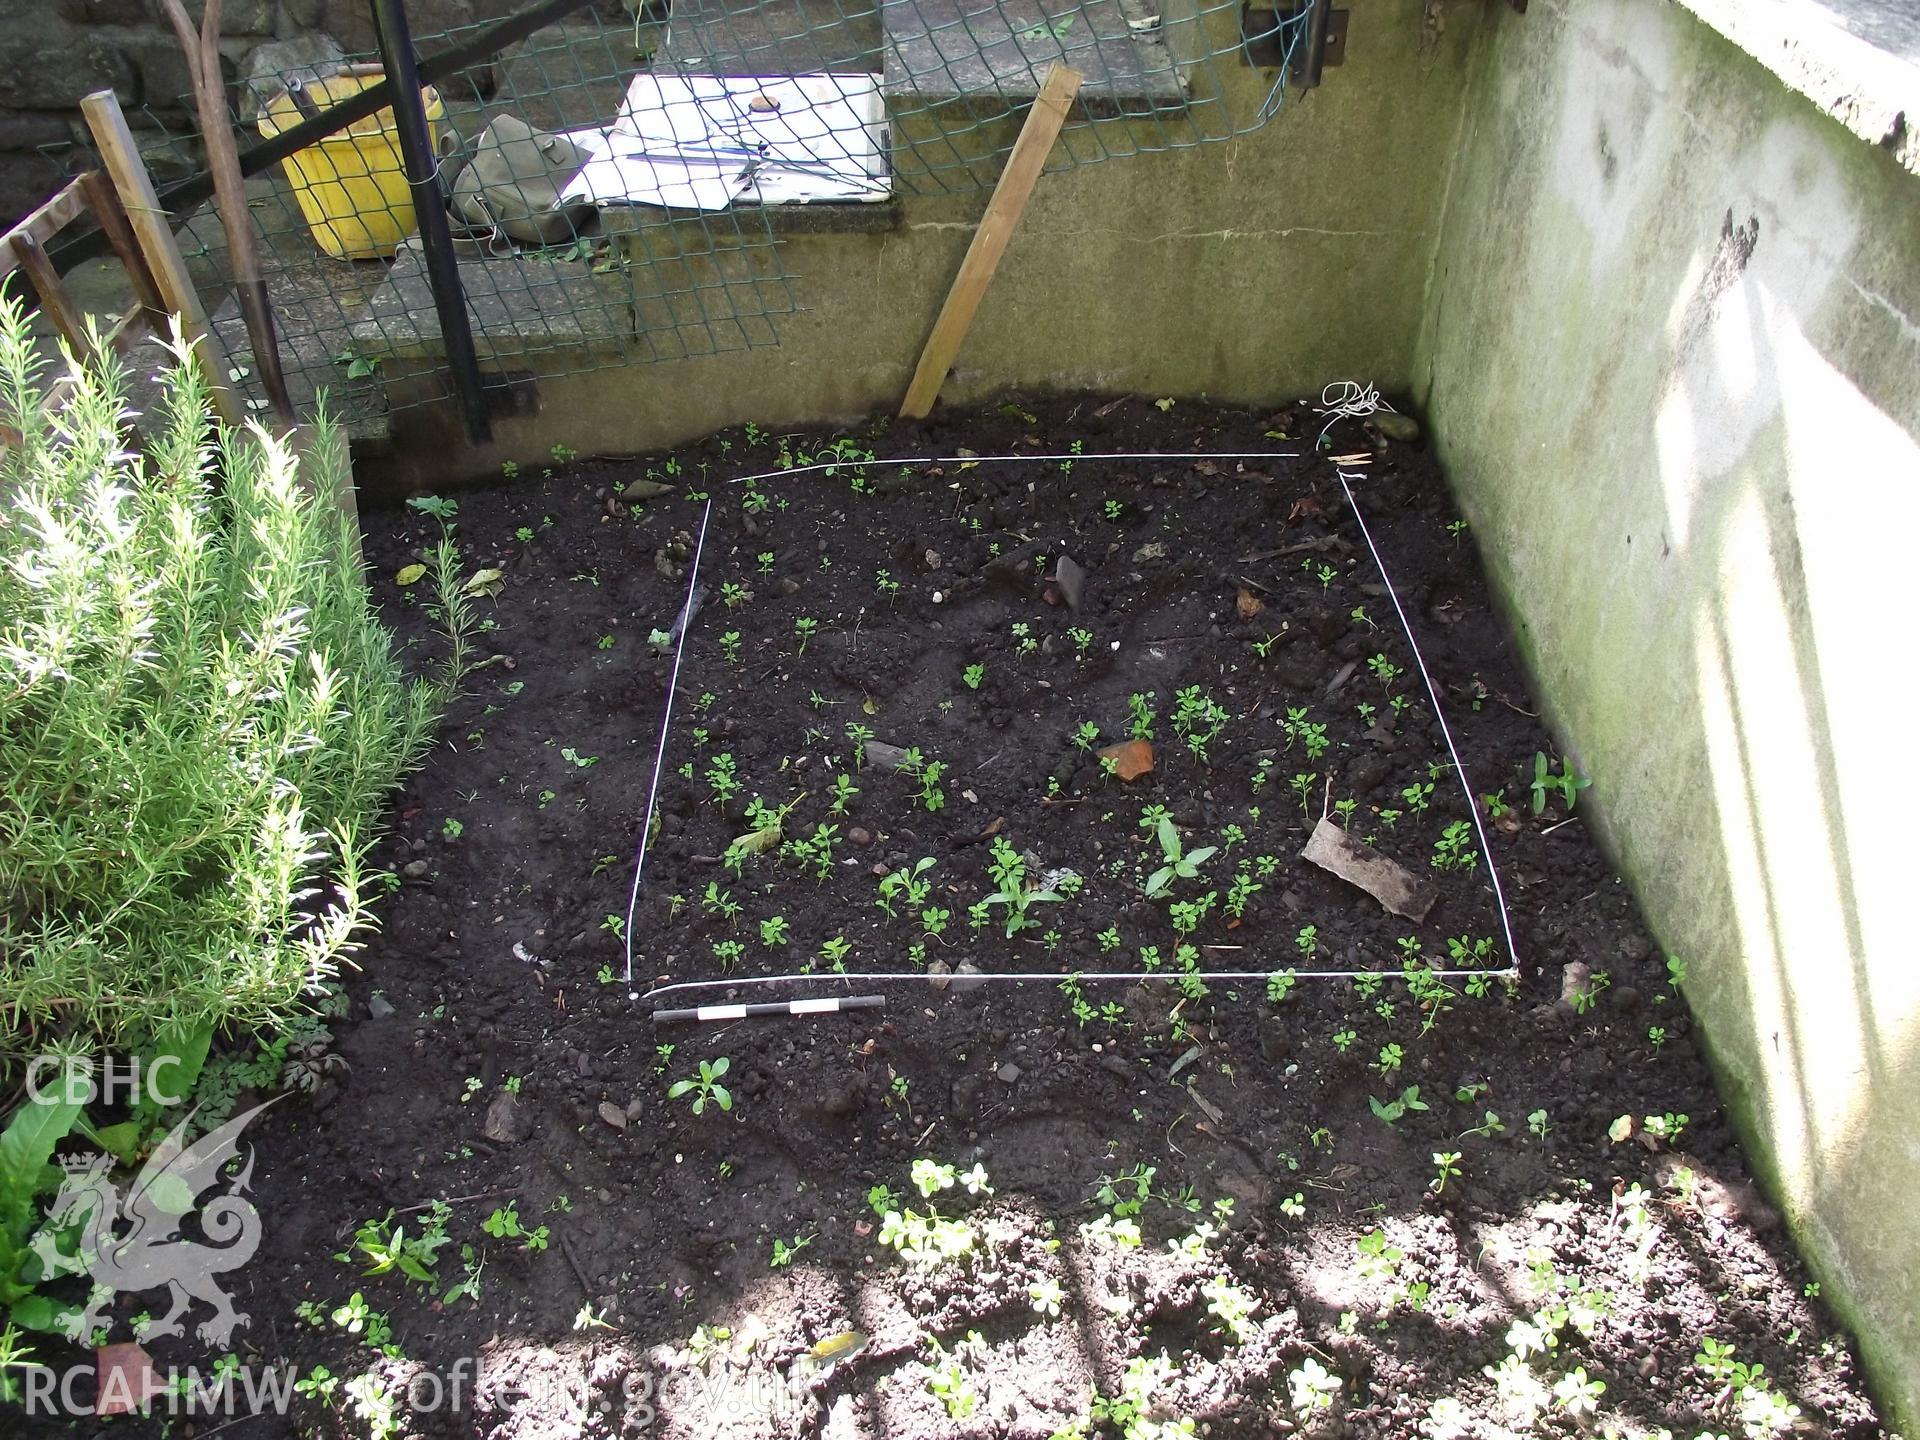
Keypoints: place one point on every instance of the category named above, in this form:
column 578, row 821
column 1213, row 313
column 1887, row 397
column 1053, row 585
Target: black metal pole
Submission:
column 1315, row 42
column 436, row 236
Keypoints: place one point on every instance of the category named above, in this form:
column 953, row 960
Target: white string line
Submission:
column 966, row 460
column 1356, row 396
column 660, row 752
column 1440, row 714
column 962, row 981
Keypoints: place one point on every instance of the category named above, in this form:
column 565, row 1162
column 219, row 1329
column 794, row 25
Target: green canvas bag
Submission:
column 512, row 184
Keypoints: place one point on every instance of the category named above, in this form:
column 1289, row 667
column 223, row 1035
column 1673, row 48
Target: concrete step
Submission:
column 986, row 52
column 794, row 37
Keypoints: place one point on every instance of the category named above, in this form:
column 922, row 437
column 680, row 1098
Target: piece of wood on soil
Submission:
column 1397, row 888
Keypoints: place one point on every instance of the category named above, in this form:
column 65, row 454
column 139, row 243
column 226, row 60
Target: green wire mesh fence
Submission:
column 675, row 147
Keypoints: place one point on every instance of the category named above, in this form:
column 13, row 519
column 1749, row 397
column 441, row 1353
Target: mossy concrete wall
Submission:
column 1248, row 270
column 1672, row 355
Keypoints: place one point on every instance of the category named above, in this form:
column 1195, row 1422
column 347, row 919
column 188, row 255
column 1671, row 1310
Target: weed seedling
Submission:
column 906, row 886
column 1140, row 716
column 973, row 675
column 1451, row 852
column 1393, row 1111
column 1009, row 873
column 722, row 779
column 844, row 791
column 805, row 627
column 946, row 1374
column 504, row 1224
column 1302, row 786
column 1377, row 1260
column 705, row 1087
column 1565, row 784
column 1197, row 719
column 784, row 1251
column 1180, row 864
column 928, row 773
column 1384, row 670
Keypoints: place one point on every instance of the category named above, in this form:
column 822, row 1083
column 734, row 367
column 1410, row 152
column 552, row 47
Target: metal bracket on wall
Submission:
column 1323, row 38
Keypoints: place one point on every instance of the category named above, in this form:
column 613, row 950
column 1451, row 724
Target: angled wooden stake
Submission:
column 1024, row 164
column 120, row 157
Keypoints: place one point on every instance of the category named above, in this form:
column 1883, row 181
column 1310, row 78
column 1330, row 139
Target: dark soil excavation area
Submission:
column 1215, row 1208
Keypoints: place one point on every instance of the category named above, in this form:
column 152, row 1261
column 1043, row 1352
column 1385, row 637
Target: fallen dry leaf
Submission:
column 1130, row 759
column 1303, row 508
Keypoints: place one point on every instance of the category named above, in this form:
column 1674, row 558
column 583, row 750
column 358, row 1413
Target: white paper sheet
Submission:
column 703, row 142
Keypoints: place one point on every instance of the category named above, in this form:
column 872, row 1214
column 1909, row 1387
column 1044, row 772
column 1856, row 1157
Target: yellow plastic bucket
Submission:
column 352, row 186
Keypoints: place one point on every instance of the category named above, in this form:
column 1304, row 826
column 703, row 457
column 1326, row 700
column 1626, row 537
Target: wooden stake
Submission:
column 1024, row 164
column 230, row 194
column 121, row 157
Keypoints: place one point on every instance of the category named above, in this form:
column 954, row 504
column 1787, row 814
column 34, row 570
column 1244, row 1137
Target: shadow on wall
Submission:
column 1722, row 439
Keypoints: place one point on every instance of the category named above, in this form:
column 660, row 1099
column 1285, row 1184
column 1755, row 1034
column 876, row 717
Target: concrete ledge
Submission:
column 1858, row 60
column 879, row 217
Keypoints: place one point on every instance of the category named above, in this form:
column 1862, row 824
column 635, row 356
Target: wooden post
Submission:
column 1024, row 164
column 230, row 194
column 151, row 232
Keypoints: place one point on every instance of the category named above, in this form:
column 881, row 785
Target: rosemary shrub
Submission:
column 200, row 715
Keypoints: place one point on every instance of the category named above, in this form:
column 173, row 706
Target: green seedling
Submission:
column 1565, row 784
column 973, row 675
column 785, row 1251
column 1197, row 719
column 1452, row 851
column 1140, row 716
column 905, row 886
column 1180, row 864
column 844, row 791
column 706, row 1087
column 1393, row 1111
column 504, row 1224
column 1011, row 893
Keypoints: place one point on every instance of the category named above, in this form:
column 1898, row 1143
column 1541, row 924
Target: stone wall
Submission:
column 54, row 51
